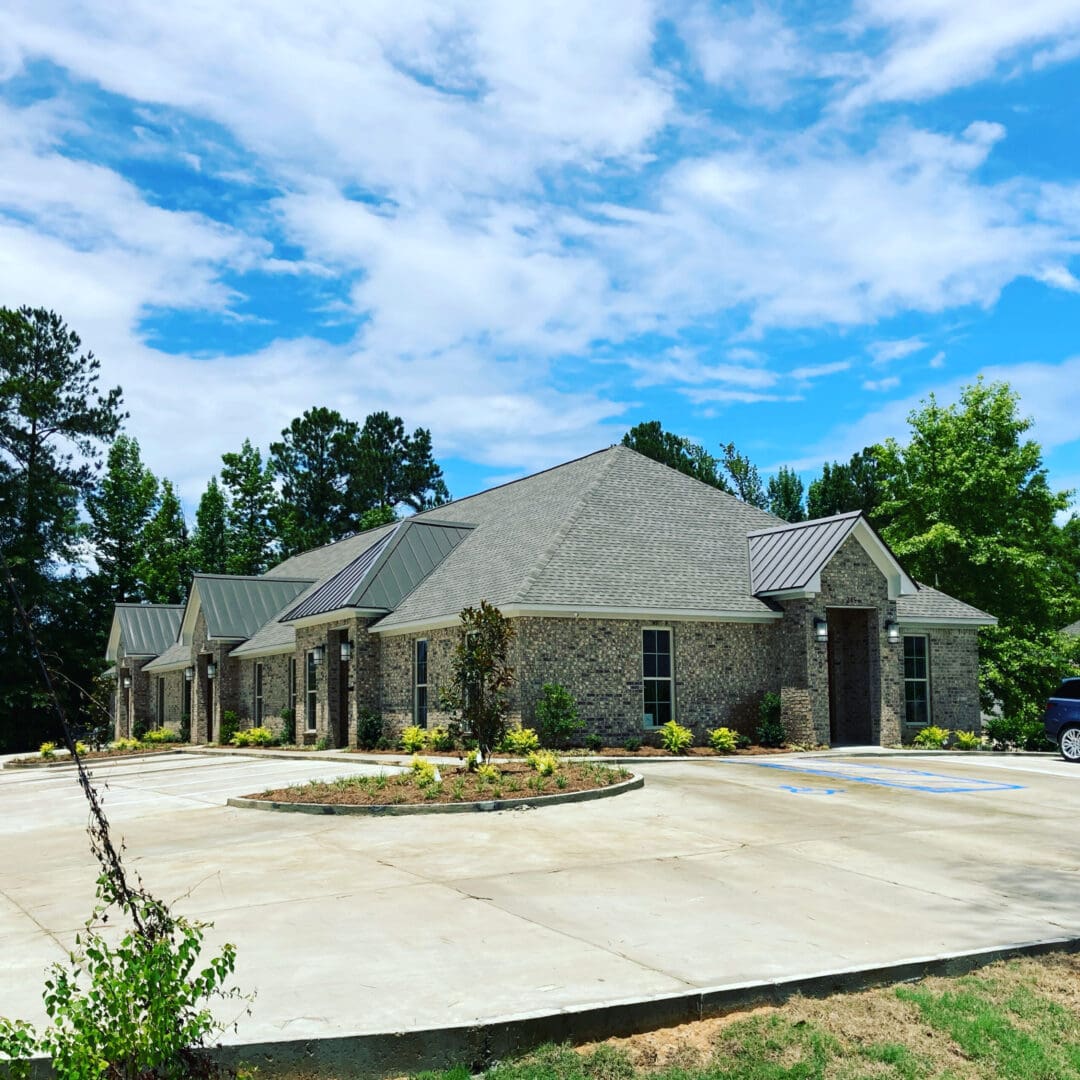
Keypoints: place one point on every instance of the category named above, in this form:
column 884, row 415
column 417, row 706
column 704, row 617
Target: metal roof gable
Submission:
column 146, row 629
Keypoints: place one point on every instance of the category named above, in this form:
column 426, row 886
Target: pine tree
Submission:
column 165, row 570
column 786, row 495
column 209, row 543
column 250, row 489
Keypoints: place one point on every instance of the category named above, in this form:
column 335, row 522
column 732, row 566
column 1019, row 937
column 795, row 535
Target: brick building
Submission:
column 648, row 594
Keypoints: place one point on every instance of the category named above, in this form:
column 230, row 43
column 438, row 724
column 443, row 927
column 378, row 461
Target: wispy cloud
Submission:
column 884, row 352
column 818, row 371
column 881, row 385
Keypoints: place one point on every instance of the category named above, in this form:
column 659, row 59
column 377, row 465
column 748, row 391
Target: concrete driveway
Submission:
column 717, row 872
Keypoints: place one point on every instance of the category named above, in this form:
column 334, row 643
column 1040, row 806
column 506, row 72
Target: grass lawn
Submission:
column 1015, row 1020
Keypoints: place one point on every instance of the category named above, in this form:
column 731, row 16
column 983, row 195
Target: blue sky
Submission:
column 530, row 226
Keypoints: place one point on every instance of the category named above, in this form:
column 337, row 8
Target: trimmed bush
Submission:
column 369, row 729
column 256, row 736
column 770, row 729
column 425, row 773
column 230, row 725
column 162, row 735
column 443, row 740
column 632, row 745
column 544, row 762
column 593, row 743
column 1014, row 732
column 722, row 740
column 48, row 750
column 521, row 741
column 967, row 740
column 125, row 744
column 931, row 738
column 557, row 717
column 288, row 727
column 675, row 738
column 413, row 739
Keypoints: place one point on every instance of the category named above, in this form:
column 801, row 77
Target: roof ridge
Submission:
column 562, row 531
column 250, row 577
column 809, row 521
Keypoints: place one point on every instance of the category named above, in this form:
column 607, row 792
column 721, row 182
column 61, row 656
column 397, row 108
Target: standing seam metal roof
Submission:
column 148, row 629
column 235, row 607
column 789, row 557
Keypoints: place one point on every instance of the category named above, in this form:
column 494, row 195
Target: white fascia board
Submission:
column 177, row 665
column 561, row 611
column 899, row 583
column 336, row 616
column 191, row 614
column 793, row 594
column 113, row 648
column 266, row 650
column 931, row 621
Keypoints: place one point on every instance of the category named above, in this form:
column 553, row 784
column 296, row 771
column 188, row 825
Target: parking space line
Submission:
column 889, row 776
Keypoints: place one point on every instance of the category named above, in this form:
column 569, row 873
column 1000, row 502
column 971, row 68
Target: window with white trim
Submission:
column 160, row 700
column 420, row 682
column 292, row 685
column 311, row 690
column 257, row 696
column 916, row 680
column 656, row 680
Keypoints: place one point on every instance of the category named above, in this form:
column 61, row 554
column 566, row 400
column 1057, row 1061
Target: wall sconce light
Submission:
column 821, row 630
column 318, row 654
column 892, row 631
column 346, row 651
column 189, row 674
column 127, row 682
column 211, row 670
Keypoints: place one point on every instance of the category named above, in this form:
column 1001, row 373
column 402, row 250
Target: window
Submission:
column 187, row 697
column 420, row 684
column 292, row 685
column 656, row 676
column 916, row 680
column 257, row 708
column 311, row 691
column 161, row 700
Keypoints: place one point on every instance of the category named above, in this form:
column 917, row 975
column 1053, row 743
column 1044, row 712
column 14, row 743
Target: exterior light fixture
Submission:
column 127, row 681
column 346, row 651
column 211, row 670
column 821, row 630
column 189, row 674
column 318, row 654
column 892, row 631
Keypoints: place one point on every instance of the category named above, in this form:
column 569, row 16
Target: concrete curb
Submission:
column 478, row 1046
column 91, row 763
column 405, row 809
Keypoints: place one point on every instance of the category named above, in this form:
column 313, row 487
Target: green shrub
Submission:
column 675, row 738
column 424, row 772
column 125, row 744
column 742, row 741
column 593, row 743
column 288, row 727
column 256, row 736
column 1018, row 733
column 632, row 745
column 722, row 740
column 472, row 760
column 138, row 730
column 488, row 773
column 521, row 741
column 770, row 729
column 323, row 743
column 413, row 739
column 931, row 738
column 557, row 717
column 48, row 750
column 443, row 740
column 967, row 740
column 230, row 725
column 162, row 735
column 544, row 762
column 81, row 748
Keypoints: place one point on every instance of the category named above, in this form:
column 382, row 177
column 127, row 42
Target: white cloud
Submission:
column 881, row 385
column 937, row 360
column 1060, row 277
column 817, row 371
column 680, row 365
column 938, row 45
column 883, row 352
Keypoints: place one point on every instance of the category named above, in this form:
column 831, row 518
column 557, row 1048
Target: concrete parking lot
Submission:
column 717, row 872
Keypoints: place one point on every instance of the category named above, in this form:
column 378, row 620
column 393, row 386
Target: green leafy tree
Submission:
column 482, row 676
column 393, row 468
column 675, row 451
column 165, row 569
column 54, row 423
column 557, row 717
column 745, row 478
column 315, row 461
column 250, row 487
column 210, row 541
column 785, row 495
column 969, row 510
column 120, row 508
column 845, row 487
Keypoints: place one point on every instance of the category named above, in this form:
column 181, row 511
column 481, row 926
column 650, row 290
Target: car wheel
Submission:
column 1069, row 743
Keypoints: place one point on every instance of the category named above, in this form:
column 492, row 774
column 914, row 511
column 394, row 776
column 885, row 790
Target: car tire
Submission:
column 1069, row 743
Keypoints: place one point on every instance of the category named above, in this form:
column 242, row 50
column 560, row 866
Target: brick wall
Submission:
column 954, row 678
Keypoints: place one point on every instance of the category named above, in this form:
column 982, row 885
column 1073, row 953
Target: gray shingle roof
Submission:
column 235, row 607
column 791, row 556
column 148, row 629
column 176, row 655
column 929, row 604
column 390, row 569
column 1073, row 629
column 613, row 529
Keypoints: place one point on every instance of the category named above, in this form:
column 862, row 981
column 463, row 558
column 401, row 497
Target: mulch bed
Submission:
column 516, row 780
column 94, row 755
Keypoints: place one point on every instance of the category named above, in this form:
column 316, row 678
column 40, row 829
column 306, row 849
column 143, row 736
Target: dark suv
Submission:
column 1062, row 719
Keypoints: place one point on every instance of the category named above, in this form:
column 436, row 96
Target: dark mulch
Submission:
column 516, row 781
column 95, row 755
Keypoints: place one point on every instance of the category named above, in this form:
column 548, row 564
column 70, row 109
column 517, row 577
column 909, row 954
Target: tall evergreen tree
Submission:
column 164, row 571
column 842, row 487
column 745, row 478
column 393, row 468
column 210, row 541
column 54, row 421
column 650, row 438
column 119, row 509
column 315, row 462
column 250, row 488
column 786, row 495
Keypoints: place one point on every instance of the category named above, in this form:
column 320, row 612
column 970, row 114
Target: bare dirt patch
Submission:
column 454, row 785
